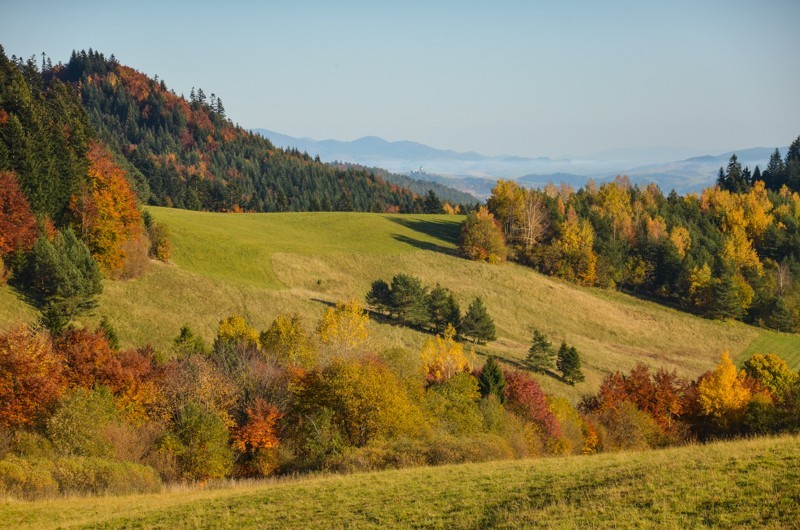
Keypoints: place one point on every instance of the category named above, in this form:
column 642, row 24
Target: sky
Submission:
column 526, row 78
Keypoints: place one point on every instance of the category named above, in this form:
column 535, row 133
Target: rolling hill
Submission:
column 742, row 484
column 261, row 265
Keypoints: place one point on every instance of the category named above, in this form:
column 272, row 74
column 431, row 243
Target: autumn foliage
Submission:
column 17, row 223
column 31, row 376
column 105, row 212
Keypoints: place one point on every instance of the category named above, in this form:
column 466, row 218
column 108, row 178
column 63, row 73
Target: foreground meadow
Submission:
column 745, row 484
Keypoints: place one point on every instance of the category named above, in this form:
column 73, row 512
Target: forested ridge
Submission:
column 188, row 154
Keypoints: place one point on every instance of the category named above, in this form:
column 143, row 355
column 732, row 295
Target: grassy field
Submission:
column 261, row 265
column 742, row 484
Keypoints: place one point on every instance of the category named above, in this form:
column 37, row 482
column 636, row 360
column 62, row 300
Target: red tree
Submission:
column 17, row 223
column 525, row 398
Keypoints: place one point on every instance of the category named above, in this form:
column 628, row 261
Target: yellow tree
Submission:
column 575, row 258
column 236, row 330
column 614, row 203
column 287, row 343
column 723, row 394
column 506, row 204
column 344, row 330
column 443, row 356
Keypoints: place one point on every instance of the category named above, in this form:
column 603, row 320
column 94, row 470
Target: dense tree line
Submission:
column 290, row 399
column 723, row 254
column 188, row 154
column 407, row 301
column 67, row 211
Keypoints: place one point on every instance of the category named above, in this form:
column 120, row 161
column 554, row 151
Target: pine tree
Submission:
column 541, row 353
column 65, row 278
column 477, row 324
column 569, row 364
column 453, row 312
column 491, row 380
column 379, row 296
column 781, row 317
column 439, row 309
column 408, row 300
column 725, row 302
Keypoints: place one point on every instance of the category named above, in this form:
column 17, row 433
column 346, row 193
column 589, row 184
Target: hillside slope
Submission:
column 747, row 484
column 261, row 265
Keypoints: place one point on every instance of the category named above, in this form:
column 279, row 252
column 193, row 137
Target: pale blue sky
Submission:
column 525, row 78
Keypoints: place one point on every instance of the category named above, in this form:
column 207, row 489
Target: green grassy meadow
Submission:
column 261, row 265
column 742, row 484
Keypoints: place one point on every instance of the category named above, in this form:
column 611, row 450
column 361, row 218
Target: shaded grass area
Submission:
column 747, row 483
column 261, row 265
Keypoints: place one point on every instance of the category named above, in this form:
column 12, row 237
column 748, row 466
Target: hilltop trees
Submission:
column 726, row 253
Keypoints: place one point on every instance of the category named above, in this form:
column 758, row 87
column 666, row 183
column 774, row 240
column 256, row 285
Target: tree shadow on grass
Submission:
column 425, row 245
column 446, row 231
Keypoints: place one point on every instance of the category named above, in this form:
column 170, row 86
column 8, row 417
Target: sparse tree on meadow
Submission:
column 541, row 353
column 569, row 364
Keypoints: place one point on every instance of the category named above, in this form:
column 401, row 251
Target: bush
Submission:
column 78, row 425
column 99, row 476
column 136, row 260
column 199, row 444
column 25, row 478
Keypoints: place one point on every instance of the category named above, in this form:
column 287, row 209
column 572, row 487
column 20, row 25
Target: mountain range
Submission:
column 681, row 169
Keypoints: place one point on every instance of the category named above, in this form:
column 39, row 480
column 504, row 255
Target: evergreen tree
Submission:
column 569, row 364
column 453, row 312
column 781, row 317
column 379, row 296
column 110, row 332
column 408, row 300
column 65, row 279
column 439, row 308
column 725, row 302
column 541, row 353
column 432, row 203
column 491, row 380
column 774, row 176
column 477, row 324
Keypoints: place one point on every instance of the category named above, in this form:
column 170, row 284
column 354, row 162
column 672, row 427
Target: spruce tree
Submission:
column 379, row 296
column 64, row 277
column 541, row 353
column 725, row 302
column 491, row 380
column 408, row 300
column 569, row 364
column 477, row 324
column 781, row 317
column 439, row 309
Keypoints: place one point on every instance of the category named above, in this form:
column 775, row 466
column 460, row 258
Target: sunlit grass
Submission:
column 261, row 265
column 745, row 484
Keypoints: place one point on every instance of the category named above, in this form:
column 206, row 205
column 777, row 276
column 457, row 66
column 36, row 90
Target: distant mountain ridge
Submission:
column 681, row 169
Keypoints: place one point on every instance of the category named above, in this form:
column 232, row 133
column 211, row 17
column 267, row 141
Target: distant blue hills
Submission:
column 681, row 169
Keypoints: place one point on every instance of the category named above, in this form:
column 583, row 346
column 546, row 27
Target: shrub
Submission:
column 27, row 478
column 78, row 425
column 200, row 444
column 99, row 476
